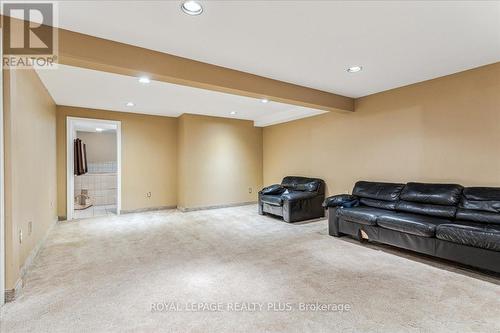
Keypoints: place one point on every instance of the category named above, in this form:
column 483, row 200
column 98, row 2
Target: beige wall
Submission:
column 219, row 160
column 100, row 147
column 443, row 130
column 30, row 167
column 149, row 157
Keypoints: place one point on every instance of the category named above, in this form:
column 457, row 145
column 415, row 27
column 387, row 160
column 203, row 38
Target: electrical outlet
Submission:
column 20, row 236
column 30, row 228
column 250, row 190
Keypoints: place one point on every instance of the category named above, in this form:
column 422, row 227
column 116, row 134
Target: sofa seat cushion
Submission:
column 473, row 234
column 361, row 215
column 272, row 199
column 419, row 225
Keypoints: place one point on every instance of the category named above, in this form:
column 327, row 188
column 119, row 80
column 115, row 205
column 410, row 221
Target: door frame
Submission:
column 70, row 179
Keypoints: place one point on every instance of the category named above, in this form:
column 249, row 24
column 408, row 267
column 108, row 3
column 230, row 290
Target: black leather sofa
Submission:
column 295, row 199
column 442, row 220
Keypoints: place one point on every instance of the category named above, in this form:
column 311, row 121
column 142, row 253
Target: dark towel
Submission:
column 85, row 167
column 80, row 158
column 75, row 157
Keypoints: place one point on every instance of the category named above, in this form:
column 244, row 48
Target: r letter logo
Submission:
column 29, row 36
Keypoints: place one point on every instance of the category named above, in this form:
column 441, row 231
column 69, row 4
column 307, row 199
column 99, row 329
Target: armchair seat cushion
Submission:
column 272, row 199
column 473, row 234
column 361, row 215
column 419, row 225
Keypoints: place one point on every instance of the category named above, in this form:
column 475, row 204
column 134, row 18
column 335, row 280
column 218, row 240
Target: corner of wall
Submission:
column 181, row 200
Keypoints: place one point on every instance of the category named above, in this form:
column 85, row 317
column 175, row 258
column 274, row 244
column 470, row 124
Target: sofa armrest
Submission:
column 333, row 222
column 341, row 200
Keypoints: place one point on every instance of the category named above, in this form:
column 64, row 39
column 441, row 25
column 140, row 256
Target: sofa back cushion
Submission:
column 436, row 194
column 480, row 204
column 377, row 194
column 296, row 183
column 430, row 199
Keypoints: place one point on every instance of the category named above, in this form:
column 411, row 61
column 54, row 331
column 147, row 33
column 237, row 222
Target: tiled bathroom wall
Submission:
column 102, row 167
column 101, row 186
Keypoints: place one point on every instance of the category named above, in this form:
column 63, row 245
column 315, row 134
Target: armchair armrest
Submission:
column 273, row 189
column 298, row 195
column 341, row 200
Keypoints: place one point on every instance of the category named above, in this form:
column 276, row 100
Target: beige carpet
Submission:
column 113, row 274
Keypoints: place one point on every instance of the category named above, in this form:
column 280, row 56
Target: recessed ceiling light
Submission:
column 144, row 79
column 264, row 100
column 192, row 7
column 99, row 129
column 130, row 104
column 233, row 112
column 354, row 69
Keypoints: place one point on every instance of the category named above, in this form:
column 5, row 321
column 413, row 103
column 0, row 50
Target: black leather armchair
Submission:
column 295, row 199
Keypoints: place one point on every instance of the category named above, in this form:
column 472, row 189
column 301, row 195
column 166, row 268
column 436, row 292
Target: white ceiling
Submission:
column 74, row 86
column 310, row 43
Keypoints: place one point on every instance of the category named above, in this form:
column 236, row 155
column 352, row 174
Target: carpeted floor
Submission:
column 169, row 271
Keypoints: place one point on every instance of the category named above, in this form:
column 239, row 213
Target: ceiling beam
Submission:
column 76, row 49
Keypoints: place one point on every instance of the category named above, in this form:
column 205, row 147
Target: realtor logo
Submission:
column 29, row 36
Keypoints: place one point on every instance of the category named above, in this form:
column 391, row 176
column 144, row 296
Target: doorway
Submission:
column 93, row 149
